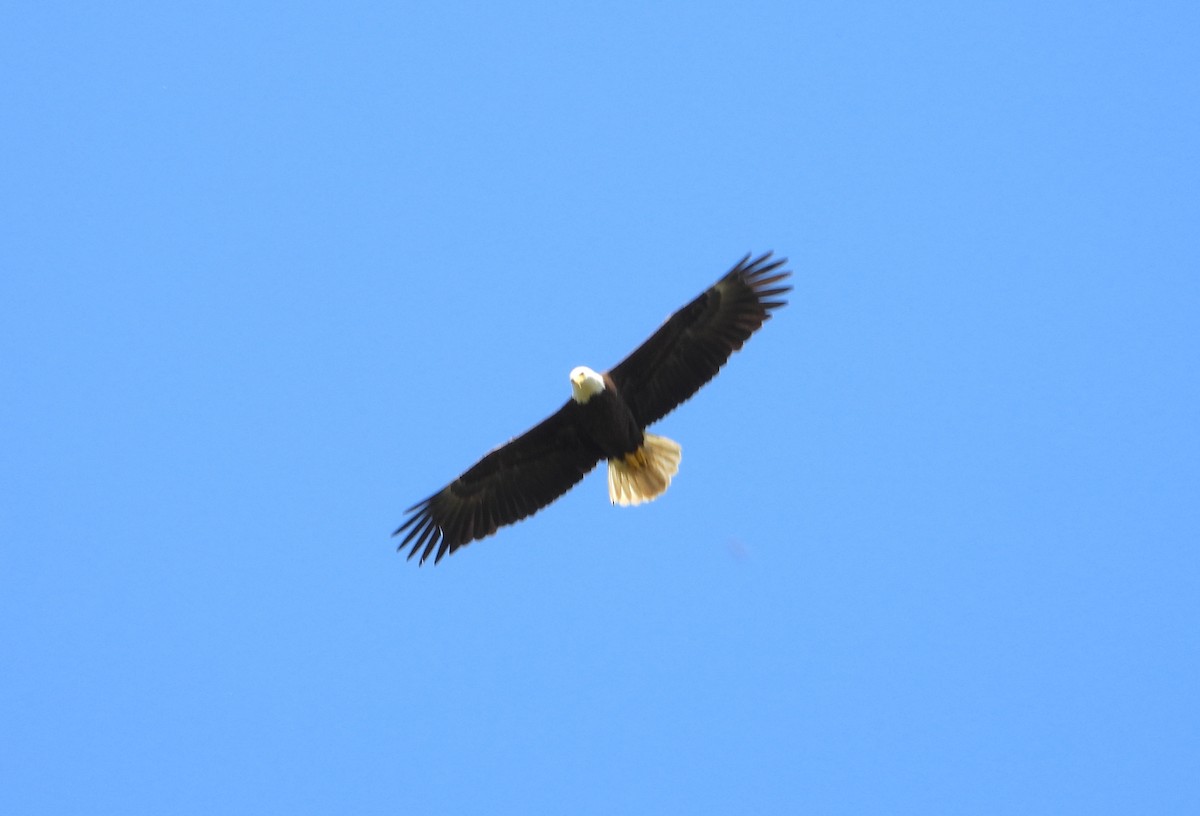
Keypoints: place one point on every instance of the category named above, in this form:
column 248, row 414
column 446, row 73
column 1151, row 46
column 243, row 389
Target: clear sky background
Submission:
column 272, row 272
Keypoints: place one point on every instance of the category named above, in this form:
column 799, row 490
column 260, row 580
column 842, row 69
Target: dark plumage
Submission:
column 605, row 418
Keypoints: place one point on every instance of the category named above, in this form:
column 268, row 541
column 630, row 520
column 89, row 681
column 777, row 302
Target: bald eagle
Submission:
column 605, row 418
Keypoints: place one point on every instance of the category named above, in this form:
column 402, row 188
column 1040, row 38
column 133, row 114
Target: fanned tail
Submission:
column 645, row 474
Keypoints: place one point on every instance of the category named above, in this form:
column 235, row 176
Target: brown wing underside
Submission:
column 690, row 348
column 512, row 482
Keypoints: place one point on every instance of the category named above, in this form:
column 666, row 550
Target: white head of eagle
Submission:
column 585, row 384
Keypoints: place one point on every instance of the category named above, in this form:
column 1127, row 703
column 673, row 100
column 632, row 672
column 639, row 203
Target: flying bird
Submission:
column 605, row 418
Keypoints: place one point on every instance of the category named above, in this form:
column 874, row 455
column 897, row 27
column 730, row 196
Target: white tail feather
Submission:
column 645, row 474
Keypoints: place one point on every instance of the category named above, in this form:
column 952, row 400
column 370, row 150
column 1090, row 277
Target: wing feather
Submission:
column 695, row 342
column 510, row 483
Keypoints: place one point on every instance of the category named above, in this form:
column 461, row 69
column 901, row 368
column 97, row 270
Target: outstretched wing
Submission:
column 695, row 342
column 513, row 481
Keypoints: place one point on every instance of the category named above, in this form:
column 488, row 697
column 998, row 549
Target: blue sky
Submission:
column 275, row 271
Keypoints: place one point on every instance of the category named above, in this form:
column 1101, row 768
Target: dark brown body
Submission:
column 609, row 424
